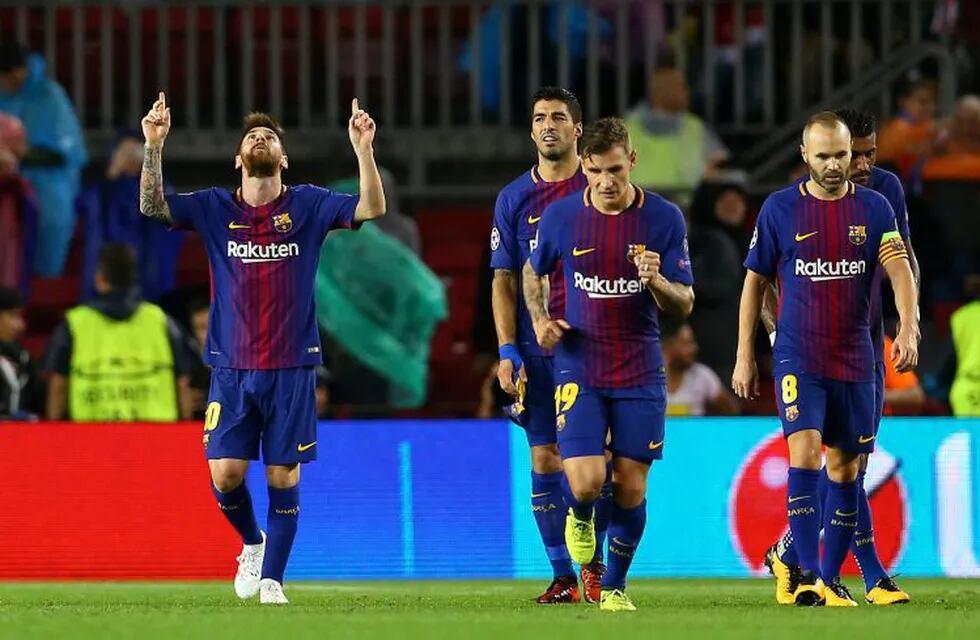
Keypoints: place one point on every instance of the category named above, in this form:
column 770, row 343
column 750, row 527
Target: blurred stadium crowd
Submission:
column 71, row 234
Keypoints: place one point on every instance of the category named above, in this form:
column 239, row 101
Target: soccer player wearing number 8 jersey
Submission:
column 623, row 251
column 263, row 244
column 822, row 239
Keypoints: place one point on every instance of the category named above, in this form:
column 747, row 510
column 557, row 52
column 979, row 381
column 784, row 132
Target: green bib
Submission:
column 964, row 397
column 121, row 370
column 671, row 162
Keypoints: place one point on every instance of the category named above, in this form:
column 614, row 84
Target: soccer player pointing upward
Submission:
column 263, row 243
column 624, row 256
column 823, row 239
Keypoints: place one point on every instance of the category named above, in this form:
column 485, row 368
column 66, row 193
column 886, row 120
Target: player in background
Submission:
column 822, row 238
column 623, row 252
column 263, row 243
column 880, row 588
column 525, row 369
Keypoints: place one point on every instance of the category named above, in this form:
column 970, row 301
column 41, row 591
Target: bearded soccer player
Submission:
column 822, row 239
column 525, row 370
column 623, row 253
column 263, row 243
column 781, row 558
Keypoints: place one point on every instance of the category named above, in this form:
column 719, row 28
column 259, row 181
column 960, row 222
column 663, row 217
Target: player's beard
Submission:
column 831, row 182
column 261, row 165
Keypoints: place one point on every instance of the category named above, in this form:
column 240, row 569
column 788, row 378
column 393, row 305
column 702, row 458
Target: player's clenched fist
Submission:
column 549, row 332
column 156, row 124
column 648, row 266
column 361, row 128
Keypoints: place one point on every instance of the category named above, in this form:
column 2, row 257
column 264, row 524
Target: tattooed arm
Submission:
column 156, row 126
column 548, row 332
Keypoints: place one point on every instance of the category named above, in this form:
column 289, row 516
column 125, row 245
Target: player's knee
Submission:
column 842, row 467
column 282, row 476
column 804, row 449
column 586, row 484
column 227, row 475
column 545, row 458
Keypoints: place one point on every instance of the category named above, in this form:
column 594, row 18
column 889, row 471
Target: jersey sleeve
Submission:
column 895, row 194
column 504, row 250
column 545, row 256
column 891, row 246
column 187, row 209
column 675, row 261
column 334, row 210
column 763, row 253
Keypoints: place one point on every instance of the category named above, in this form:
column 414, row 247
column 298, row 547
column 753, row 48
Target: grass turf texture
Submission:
column 689, row 609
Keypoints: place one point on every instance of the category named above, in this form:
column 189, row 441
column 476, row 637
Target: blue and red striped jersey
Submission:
column 519, row 209
column 887, row 184
column 615, row 336
column 824, row 254
column 263, row 263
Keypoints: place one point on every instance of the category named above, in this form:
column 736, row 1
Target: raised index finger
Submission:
column 355, row 106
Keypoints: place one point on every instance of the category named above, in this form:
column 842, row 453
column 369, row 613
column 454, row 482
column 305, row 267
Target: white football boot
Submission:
column 249, row 569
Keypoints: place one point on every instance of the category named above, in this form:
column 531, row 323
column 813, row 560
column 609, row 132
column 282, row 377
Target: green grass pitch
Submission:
column 501, row 610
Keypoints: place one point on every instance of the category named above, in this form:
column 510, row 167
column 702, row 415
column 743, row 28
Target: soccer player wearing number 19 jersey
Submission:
column 263, row 244
column 822, row 239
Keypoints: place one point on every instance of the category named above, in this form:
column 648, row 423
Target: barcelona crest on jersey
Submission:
column 282, row 223
column 857, row 234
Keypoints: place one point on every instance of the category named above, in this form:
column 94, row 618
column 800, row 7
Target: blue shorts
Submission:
column 275, row 407
column 634, row 417
column 539, row 401
column 843, row 412
column 879, row 393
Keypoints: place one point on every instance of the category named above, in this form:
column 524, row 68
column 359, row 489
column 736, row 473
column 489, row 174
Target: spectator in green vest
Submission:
column 676, row 148
column 117, row 358
column 964, row 324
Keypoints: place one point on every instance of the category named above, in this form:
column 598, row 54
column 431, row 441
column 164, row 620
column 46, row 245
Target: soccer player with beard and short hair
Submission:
column 263, row 243
column 781, row 558
column 525, row 369
column 623, row 253
column 822, row 239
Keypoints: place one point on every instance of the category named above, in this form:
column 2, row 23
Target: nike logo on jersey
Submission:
column 653, row 446
column 234, row 225
column 865, row 440
column 305, row 447
column 533, row 220
column 804, row 236
column 791, row 500
column 581, row 252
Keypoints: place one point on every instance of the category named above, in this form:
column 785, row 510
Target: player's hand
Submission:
column 905, row 351
column 505, row 375
column 361, row 128
column 648, row 266
column 745, row 379
column 156, row 124
column 550, row 332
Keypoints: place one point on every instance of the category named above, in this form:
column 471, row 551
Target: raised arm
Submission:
column 361, row 128
column 156, row 126
column 675, row 298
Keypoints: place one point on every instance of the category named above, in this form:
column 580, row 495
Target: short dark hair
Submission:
column 604, row 134
column 562, row 95
column 117, row 264
column 258, row 119
column 861, row 123
column 12, row 56
column 915, row 81
column 828, row 119
column 197, row 304
column 10, row 299
column 670, row 326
